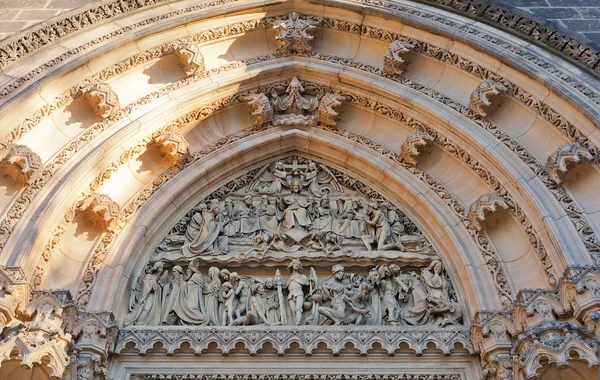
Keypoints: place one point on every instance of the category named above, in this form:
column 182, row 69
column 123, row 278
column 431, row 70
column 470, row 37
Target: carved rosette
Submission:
column 411, row 147
column 172, row 146
column 485, row 205
column 294, row 34
column 394, row 60
column 101, row 210
column 482, row 96
column 565, row 157
column 327, row 113
column 190, row 58
column 14, row 293
column 22, row 161
column 103, row 99
column 261, row 110
column 95, row 334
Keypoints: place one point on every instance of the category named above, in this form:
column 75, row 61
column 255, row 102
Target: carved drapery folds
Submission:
column 172, row 147
column 103, row 99
column 394, row 60
column 15, row 292
column 190, row 58
column 481, row 98
column 294, row 34
column 565, row 157
column 485, row 205
column 542, row 327
column 95, row 335
column 101, row 211
column 411, row 147
column 23, row 162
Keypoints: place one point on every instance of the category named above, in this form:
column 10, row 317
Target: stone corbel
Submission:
column 24, row 162
column 485, row 205
column 95, row 334
column 481, row 98
column 102, row 211
column 394, row 60
column 172, row 147
column 534, row 307
column 261, row 110
column 565, row 157
column 294, row 34
column 492, row 334
column 40, row 336
column 326, row 112
column 103, row 99
column 190, row 58
column 411, row 147
column 15, row 292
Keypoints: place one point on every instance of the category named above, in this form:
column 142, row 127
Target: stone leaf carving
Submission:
column 481, row 97
column 410, row 149
column 190, row 58
column 14, row 293
column 103, row 99
column 172, row 146
column 100, row 210
column 261, row 110
column 22, row 161
column 565, row 157
column 394, row 60
column 327, row 113
column 294, row 34
column 484, row 205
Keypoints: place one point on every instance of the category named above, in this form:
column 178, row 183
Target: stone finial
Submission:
column 481, row 97
column 261, row 111
column 294, row 34
column 327, row 113
column 484, row 205
column 394, row 62
column 101, row 210
column 22, row 161
column 411, row 147
column 172, row 146
column 15, row 291
column 103, row 99
column 95, row 334
column 564, row 158
column 190, row 58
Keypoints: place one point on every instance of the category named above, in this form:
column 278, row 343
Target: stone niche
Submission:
column 294, row 242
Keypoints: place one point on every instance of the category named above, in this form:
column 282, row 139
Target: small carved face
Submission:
column 264, row 199
column 312, row 166
column 295, row 188
column 437, row 268
column 269, row 283
column 248, row 200
column 296, row 265
column 279, row 166
column 339, row 274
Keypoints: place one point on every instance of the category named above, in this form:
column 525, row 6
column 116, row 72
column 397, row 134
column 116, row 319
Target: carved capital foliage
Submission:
column 172, row 146
column 22, row 161
column 411, row 147
column 565, row 157
column 485, row 205
column 95, row 334
column 260, row 108
column 103, row 99
column 394, row 60
column 15, row 292
column 190, row 58
column 294, row 34
column 327, row 113
column 481, row 97
column 100, row 210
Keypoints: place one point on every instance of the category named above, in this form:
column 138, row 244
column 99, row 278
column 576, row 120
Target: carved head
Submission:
column 234, row 277
column 214, row 272
column 228, row 203
column 373, row 277
column 269, row 283
column 295, row 265
column 248, row 200
column 159, row 266
column 338, row 271
column 325, row 201
column 264, row 199
column 311, row 166
column 395, row 269
column 279, row 165
column 225, row 274
column 227, row 286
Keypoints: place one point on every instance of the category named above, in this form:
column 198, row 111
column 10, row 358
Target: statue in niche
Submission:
column 294, row 102
column 146, row 297
column 172, row 296
column 414, row 311
column 190, row 308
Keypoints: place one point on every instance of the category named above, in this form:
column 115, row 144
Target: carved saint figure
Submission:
column 334, row 290
column 295, row 208
column 146, row 297
column 267, row 215
column 381, row 231
column 295, row 286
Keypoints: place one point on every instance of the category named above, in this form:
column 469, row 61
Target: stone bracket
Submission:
column 190, row 58
column 411, row 147
column 101, row 209
column 294, row 34
column 565, row 158
column 394, row 60
column 103, row 99
column 22, row 161
column 481, row 98
column 485, row 205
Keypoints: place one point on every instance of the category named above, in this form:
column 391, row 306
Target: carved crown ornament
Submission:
column 484, row 205
column 565, row 158
column 21, row 161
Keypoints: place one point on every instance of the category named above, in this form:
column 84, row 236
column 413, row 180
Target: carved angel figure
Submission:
column 271, row 181
column 146, row 297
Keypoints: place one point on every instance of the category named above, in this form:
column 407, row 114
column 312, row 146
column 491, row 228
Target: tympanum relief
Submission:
column 237, row 258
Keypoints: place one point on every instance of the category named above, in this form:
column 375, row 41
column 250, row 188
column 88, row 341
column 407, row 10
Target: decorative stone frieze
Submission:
column 316, row 376
column 294, row 34
column 261, row 111
column 565, row 157
column 190, row 58
column 15, row 292
column 394, row 60
column 485, row 205
column 411, row 147
column 95, row 335
column 172, row 146
column 481, row 98
column 21, row 161
column 327, row 113
column 103, row 99
column 100, row 210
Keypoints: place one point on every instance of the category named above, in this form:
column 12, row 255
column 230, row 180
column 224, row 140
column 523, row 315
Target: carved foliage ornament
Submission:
column 103, row 99
column 481, row 97
column 101, row 211
column 484, row 205
column 172, row 146
column 22, row 161
column 190, row 58
column 294, row 34
column 394, row 60
column 410, row 149
column 565, row 157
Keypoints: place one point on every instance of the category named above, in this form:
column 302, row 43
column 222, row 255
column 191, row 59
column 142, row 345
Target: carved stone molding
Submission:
column 22, row 161
column 394, row 60
column 261, row 111
column 411, row 147
column 190, row 58
column 281, row 338
column 484, row 205
column 15, row 292
column 103, row 99
column 565, row 157
column 95, row 335
column 326, row 113
column 294, row 34
column 172, row 146
column 317, row 376
column 481, row 97
column 101, row 211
